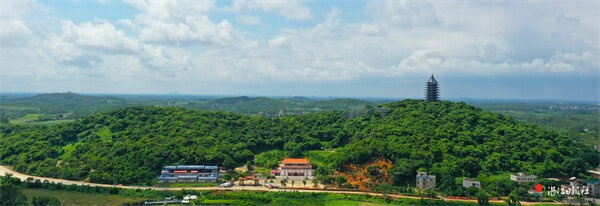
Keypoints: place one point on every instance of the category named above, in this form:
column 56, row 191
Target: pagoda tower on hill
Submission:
column 432, row 90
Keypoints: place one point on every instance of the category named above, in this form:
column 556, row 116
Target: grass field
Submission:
column 53, row 122
column 236, row 198
column 33, row 120
column 350, row 202
column 78, row 198
column 25, row 119
column 308, row 202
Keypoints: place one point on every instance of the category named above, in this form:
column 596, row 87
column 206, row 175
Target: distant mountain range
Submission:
column 79, row 105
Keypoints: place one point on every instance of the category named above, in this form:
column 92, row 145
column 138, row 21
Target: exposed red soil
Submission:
column 358, row 174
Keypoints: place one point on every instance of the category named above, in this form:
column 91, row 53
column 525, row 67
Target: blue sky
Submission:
column 497, row 49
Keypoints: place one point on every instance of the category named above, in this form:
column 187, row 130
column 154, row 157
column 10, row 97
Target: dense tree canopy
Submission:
column 448, row 139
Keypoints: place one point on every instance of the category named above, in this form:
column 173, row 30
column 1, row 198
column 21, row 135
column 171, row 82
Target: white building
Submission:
column 425, row 181
column 522, row 177
column 468, row 183
column 594, row 188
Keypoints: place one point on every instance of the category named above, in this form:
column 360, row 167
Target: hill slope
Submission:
column 455, row 139
column 449, row 139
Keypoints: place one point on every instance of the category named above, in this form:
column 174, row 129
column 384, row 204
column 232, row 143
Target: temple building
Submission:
column 432, row 92
column 294, row 167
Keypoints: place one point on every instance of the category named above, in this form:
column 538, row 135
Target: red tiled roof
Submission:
column 295, row 160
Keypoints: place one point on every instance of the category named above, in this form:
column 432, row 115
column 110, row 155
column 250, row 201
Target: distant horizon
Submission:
column 217, row 96
column 491, row 50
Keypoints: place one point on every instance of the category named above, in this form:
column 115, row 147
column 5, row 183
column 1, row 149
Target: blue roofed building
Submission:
column 189, row 173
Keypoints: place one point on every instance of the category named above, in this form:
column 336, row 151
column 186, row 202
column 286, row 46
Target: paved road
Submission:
column 4, row 170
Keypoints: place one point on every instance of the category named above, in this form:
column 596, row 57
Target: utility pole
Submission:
column 116, row 178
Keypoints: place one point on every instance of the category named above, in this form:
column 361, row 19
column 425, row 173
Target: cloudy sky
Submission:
column 342, row 48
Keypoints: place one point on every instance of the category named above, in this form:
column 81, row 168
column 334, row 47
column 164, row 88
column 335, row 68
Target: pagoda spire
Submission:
column 432, row 91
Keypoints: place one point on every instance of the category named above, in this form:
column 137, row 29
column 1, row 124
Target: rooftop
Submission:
column 295, row 161
column 432, row 80
column 189, row 167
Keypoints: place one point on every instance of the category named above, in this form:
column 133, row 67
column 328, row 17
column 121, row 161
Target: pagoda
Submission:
column 432, row 90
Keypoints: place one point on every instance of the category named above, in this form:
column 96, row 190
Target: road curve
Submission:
column 5, row 170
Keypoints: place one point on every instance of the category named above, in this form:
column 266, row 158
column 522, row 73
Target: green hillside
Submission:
column 455, row 139
column 447, row 139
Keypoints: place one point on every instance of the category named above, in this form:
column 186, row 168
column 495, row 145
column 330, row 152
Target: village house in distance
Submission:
column 425, row 181
column 294, row 167
column 522, row 177
column 471, row 183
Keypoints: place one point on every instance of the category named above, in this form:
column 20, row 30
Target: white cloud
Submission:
column 406, row 14
column 291, row 9
column 22, row 54
column 428, row 61
column 421, row 61
column 172, row 9
column 101, row 36
column 335, row 50
column 583, row 63
column 250, row 20
column 279, row 41
column 165, row 60
column 61, row 50
column 179, row 22
column 14, row 32
column 17, row 9
column 492, row 48
column 194, row 30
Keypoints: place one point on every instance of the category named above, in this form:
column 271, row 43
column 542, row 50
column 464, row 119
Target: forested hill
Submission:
column 59, row 103
column 447, row 139
column 455, row 139
column 58, row 106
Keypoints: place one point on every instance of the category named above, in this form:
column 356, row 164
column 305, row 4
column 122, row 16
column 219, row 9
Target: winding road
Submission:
column 5, row 170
